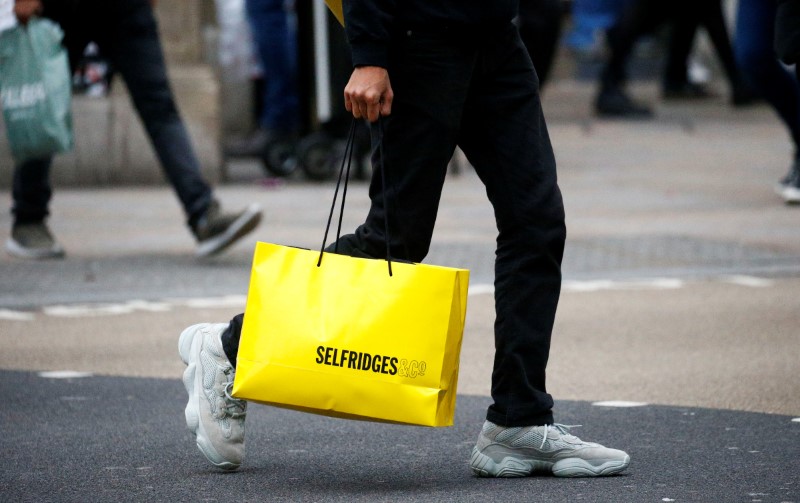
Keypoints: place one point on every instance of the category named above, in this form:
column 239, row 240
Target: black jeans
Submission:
column 127, row 35
column 638, row 18
column 540, row 24
column 709, row 15
column 478, row 91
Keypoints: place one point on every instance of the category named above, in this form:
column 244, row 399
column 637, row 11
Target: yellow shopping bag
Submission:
column 346, row 339
column 350, row 337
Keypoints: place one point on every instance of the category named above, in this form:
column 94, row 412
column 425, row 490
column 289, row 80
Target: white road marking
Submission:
column 210, row 302
column 7, row 314
column 64, row 374
column 796, row 420
column 85, row 310
column 239, row 301
column 619, row 403
column 606, row 284
column 750, row 281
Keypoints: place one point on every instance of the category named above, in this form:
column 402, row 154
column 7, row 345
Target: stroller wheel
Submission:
column 318, row 155
column 280, row 159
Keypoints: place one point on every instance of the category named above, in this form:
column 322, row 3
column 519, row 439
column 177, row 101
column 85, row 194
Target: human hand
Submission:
column 26, row 9
column 369, row 94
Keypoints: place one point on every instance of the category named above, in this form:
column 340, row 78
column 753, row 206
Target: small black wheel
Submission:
column 280, row 159
column 318, row 156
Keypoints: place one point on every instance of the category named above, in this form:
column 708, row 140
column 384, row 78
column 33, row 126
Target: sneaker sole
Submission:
column 186, row 348
column 238, row 229
column 576, row 467
column 484, row 466
column 17, row 250
column 790, row 194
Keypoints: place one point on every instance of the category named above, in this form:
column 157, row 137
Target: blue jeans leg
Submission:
column 275, row 39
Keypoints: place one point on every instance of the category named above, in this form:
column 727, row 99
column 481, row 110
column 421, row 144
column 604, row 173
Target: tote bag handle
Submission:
column 344, row 171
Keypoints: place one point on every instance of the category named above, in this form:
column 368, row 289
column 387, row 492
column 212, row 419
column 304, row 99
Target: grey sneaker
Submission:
column 216, row 230
column 518, row 452
column 212, row 414
column 33, row 241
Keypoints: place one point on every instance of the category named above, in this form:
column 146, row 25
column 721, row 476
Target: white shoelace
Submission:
column 562, row 429
column 234, row 407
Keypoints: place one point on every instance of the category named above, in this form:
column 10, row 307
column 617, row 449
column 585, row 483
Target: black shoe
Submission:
column 615, row 103
column 216, row 230
column 685, row 91
column 743, row 95
column 33, row 241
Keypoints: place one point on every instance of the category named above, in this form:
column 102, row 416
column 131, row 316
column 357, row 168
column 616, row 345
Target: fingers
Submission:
column 386, row 103
column 370, row 108
column 362, row 107
column 348, row 103
column 368, row 94
column 373, row 110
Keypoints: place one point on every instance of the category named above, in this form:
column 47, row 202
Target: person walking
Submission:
column 273, row 25
column 441, row 74
column 641, row 17
column 127, row 34
column 760, row 25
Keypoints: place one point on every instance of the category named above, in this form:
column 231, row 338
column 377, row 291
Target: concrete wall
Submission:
column 110, row 144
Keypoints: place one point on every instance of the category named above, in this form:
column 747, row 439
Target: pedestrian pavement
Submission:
column 676, row 337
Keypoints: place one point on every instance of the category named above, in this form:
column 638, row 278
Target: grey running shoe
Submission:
column 518, row 452
column 216, row 230
column 212, row 414
column 33, row 241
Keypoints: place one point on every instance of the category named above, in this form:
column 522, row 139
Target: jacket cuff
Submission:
column 370, row 55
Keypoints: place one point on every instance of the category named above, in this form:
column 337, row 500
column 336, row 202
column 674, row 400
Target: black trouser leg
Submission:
column 713, row 20
column 31, row 191
column 540, row 28
column 500, row 127
column 505, row 138
column 681, row 40
column 135, row 51
column 637, row 19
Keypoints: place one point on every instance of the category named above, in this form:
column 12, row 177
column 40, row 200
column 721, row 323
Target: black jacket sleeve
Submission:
column 368, row 24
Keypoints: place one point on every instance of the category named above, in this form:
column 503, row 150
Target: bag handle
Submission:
column 344, row 170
